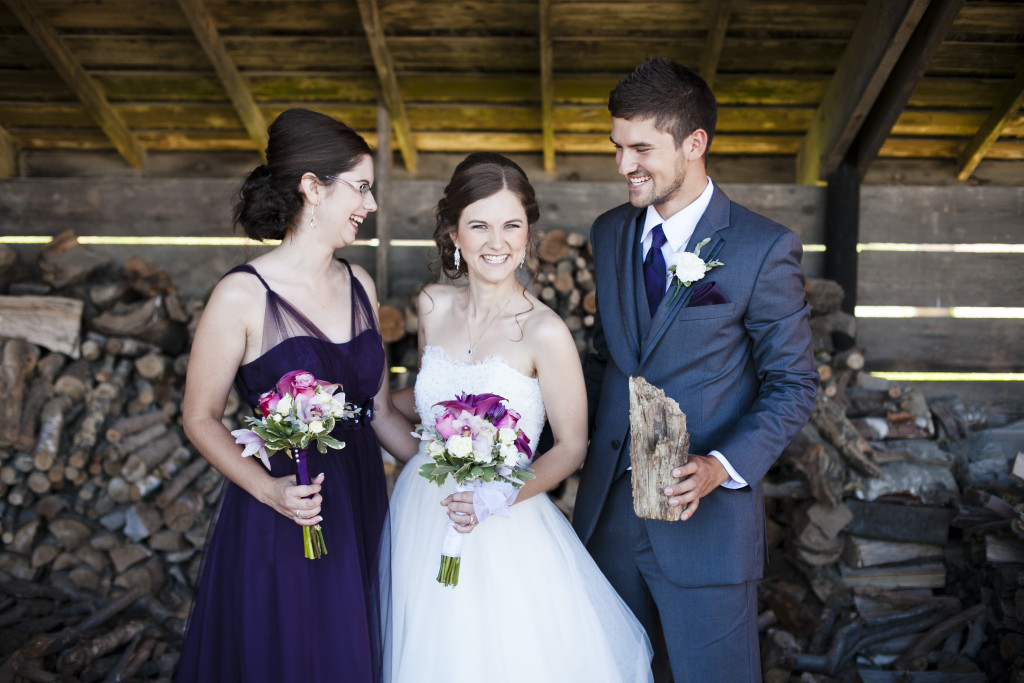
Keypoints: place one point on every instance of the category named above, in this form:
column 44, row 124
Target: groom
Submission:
column 733, row 349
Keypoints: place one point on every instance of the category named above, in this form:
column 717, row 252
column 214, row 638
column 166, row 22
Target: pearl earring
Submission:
column 312, row 220
column 458, row 258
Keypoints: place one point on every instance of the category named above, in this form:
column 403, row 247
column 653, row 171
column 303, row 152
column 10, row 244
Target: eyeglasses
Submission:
column 362, row 188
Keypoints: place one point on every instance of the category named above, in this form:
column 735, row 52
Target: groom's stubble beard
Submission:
column 656, row 196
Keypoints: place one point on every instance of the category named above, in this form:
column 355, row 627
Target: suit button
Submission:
column 616, row 444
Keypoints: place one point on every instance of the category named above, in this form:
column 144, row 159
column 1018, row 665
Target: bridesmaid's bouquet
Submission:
column 475, row 439
column 300, row 410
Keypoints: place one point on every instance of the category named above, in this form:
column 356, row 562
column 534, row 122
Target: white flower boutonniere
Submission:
column 688, row 267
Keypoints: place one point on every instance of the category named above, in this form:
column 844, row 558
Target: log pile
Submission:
column 888, row 560
column 105, row 506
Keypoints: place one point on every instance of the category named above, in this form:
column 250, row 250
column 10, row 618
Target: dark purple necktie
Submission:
column 654, row 270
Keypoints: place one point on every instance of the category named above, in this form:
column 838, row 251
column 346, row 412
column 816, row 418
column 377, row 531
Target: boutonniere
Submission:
column 689, row 267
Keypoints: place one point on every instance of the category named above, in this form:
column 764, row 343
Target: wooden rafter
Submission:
column 879, row 39
column 1007, row 107
column 8, row 155
column 547, row 87
column 238, row 92
column 715, row 40
column 385, row 66
column 74, row 75
column 903, row 81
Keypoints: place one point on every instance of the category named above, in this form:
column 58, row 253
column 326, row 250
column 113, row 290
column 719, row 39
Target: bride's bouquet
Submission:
column 475, row 440
column 298, row 411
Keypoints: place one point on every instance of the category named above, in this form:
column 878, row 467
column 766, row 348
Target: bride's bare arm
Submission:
column 217, row 351
column 565, row 400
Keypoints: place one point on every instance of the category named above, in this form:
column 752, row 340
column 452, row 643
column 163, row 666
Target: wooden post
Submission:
column 659, row 443
column 842, row 226
column 382, row 193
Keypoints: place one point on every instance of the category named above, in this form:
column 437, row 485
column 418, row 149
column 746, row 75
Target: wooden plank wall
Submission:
column 904, row 214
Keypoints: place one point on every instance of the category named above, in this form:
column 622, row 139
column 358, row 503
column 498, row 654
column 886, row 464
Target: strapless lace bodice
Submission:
column 442, row 378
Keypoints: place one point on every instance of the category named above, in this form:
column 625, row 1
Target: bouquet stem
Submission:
column 312, row 537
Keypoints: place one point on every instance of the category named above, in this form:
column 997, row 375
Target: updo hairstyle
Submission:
column 300, row 141
column 477, row 177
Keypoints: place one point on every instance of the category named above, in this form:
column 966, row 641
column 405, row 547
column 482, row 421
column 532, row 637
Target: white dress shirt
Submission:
column 678, row 228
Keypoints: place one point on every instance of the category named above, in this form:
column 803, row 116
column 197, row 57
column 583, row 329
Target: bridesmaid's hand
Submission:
column 300, row 504
column 461, row 503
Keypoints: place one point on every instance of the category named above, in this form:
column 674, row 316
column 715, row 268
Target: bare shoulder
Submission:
column 543, row 326
column 236, row 294
column 436, row 297
column 364, row 278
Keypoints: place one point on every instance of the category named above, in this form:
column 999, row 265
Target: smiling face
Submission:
column 659, row 173
column 492, row 236
column 344, row 206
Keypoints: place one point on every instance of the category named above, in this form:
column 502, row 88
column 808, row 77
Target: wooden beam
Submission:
column 8, row 155
column 385, row 67
column 715, row 40
column 903, row 81
column 881, row 34
column 382, row 193
column 238, row 92
column 74, row 75
column 1007, row 107
column 842, row 221
column 547, row 88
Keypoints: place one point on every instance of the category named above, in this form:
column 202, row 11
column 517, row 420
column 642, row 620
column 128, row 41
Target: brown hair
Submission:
column 677, row 99
column 477, row 177
column 300, row 141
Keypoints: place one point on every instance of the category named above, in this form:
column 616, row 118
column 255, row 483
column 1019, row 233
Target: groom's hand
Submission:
column 701, row 475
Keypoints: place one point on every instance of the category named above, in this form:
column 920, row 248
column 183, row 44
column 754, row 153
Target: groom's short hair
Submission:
column 675, row 97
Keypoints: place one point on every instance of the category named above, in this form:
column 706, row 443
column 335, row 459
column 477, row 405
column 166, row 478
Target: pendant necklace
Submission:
column 469, row 334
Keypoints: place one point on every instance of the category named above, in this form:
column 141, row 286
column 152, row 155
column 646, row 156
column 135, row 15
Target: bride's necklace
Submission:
column 469, row 333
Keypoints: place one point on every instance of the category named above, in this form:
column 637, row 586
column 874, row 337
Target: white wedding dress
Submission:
column 530, row 605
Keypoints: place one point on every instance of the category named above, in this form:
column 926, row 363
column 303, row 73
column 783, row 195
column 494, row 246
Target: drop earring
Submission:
column 522, row 262
column 458, row 259
column 312, row 220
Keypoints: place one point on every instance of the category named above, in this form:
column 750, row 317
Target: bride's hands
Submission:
column 287, row 498
column 460, row 511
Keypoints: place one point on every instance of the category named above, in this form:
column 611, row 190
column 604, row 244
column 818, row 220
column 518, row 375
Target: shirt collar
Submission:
column 679, row 226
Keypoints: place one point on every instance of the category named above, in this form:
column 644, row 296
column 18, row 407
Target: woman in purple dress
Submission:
column 263, row 612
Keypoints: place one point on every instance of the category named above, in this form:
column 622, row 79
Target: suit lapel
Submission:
column 715, row 217
column 626, row 259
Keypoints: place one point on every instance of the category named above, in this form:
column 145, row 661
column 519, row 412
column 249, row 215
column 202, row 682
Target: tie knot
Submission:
column 657, row 237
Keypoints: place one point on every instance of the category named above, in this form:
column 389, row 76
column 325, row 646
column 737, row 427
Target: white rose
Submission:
column 435, row 448
column 689, row 267
column 510, row 455
column 506, row 435
column 316, row 426
column 459, row 446
column 284, row 406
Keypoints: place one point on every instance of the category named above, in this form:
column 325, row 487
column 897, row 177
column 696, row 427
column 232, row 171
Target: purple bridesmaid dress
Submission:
column 263, row 612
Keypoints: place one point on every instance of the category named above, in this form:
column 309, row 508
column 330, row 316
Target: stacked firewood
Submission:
column 884, row 557
column 106, row 506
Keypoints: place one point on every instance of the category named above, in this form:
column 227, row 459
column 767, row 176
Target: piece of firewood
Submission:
column 392, row 323
column 48, row 644
column 180, row 482
column 51, row 425
column 659, row 443
column 868, row 552
column 52, row 322
column 78, row 657
column 553, row 246
column 127, row 426
column 831, row 421
column 12, row 388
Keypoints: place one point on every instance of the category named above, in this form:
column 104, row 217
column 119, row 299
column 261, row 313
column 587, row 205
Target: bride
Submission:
column 530, row 604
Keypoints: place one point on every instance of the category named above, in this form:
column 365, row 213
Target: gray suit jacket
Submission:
column 742, row 371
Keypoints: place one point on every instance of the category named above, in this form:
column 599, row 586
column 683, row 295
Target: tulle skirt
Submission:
column 530, row 604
